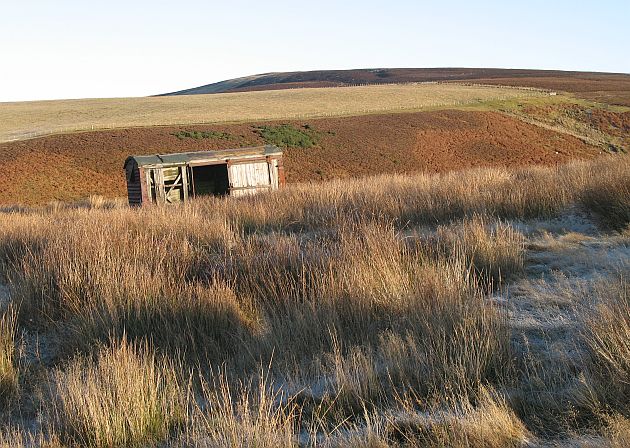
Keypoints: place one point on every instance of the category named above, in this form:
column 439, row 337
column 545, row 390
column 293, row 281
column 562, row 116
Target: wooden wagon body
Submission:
column 174, row 178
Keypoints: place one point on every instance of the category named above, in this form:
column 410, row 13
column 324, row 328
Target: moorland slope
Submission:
column 69, row 167
column 612, row 88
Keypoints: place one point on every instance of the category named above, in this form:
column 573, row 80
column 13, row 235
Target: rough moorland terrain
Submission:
column 23, row 120
column 74, row 166
column 478, row 308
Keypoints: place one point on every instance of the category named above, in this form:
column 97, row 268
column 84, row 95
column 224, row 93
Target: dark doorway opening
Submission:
column 210, row 180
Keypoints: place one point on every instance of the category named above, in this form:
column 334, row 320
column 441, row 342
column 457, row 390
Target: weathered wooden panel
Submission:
column 170, row 173
column 174, row 184
column 145, row 187
column 273, row 172
column 174, row 195
column 158, row 180
column 249, row 175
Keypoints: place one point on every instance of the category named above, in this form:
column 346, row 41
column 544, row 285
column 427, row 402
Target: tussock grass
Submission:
column 582, row 383
column 14, row 437
column 535, row 192
column 357, row 295
column 488, row 423
column 9, row 369
column 494, row 249
column 607, row 336
column 452, row 341
column 125, row 397
column 618, row 431
column 248, row 415
column 610, row 200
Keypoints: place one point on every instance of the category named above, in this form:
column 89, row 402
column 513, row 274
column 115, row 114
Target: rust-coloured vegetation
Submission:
column 74, row 166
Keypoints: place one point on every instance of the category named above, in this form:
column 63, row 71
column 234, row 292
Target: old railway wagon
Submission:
column 173, row 178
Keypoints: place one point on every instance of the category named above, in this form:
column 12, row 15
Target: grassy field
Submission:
column 447, row 310
column 29, row 119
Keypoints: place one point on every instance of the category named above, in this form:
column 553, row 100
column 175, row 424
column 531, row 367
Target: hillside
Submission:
column 612, row 88
column 22, row 120
column 69, row 150
column 72, row 166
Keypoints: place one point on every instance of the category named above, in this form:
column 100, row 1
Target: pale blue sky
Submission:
column 72, row 49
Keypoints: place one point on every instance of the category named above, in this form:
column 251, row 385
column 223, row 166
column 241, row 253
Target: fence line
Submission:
column 532, row 91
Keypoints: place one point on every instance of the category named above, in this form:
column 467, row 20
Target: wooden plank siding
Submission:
column 168, row 179
column 249, row 175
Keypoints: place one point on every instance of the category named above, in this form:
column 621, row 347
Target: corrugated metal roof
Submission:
column 202, row 156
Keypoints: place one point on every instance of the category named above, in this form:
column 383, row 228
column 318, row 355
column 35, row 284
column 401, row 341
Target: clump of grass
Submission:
column 489, row 422
column 9, row 371
column 486, row 422
column 198, row 323
column 249, row 415
column 288, row 136
column 432, row 199
column 577, row 384
column 14, row 437
column 617, row 431
column 607, row 337
column 126, row 397
column 609, row 197
column 494, row 249
column 199, row 135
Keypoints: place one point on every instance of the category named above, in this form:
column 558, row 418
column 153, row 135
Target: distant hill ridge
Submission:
column 572, row 81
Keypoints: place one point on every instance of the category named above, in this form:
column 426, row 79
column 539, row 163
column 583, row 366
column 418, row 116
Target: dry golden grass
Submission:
column 366, row 299
column 581, row 383
column 607, row 336
column 494, row 249
column 610, row 202
column 19, row 438
column 489, row 423
column 9, row 372
column 29, row 119
column 618, row 431
column 126, row 397
column 244, row 416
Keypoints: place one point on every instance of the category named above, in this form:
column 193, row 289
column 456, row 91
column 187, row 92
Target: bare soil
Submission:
column 73, row 166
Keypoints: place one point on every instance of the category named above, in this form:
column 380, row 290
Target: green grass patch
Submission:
column 516, row 105
column 288, row 136
column 198, row 135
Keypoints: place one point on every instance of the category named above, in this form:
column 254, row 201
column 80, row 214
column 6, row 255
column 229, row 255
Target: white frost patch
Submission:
column 566, row 258
column 572, row 220
column 576, row 255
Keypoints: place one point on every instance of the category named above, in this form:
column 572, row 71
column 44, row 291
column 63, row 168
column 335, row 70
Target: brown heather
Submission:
column 364, row 302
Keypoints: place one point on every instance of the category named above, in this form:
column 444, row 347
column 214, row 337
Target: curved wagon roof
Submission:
column 183, row 158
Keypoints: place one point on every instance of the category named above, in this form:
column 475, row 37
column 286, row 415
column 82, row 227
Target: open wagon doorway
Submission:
column 208, row 180
column 172, row 178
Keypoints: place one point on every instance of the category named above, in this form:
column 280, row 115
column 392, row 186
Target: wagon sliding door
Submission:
column 249, row 177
